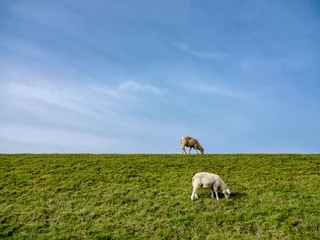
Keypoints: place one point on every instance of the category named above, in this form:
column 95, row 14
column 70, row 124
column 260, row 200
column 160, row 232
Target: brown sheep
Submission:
column 190, row 142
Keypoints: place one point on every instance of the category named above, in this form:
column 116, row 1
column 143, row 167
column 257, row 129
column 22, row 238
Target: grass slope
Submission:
column 148, row 197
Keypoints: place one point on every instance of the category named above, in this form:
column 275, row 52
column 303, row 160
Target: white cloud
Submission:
column 48, row 93
column 281, row 63
column 23, row 85
column 137, row 87
column 130, row 86
column 62, row 116
column 215, row 89
column 207, row 55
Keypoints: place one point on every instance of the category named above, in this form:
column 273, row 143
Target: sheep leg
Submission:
column 189, row 150
column 216, row 195
column 194, row 193
column 195, row 184
column 184, row 150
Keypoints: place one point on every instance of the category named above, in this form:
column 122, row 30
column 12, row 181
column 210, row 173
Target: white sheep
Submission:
column 190, row 142
column 209, row 180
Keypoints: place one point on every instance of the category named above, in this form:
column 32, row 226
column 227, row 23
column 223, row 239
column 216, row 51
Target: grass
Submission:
column 83, row 196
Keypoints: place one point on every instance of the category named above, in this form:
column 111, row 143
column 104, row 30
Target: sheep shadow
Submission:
column 234, row 195
column 237, row 195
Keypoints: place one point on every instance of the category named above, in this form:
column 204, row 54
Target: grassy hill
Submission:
column 82, row 196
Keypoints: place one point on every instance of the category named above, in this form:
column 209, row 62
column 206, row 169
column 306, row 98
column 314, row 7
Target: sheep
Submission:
column 209, row 180
column 190, row 142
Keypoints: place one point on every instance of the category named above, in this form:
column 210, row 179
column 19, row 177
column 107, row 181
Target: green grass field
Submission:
column 148, row 197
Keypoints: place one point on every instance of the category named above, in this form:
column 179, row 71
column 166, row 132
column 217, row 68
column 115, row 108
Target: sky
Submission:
column 120, row 76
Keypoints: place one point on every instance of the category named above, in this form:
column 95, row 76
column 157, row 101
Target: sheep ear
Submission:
column 228, row 191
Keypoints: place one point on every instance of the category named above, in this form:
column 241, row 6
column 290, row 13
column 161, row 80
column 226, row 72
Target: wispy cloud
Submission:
column 132, row 85
column 82, row 97
column 49, row 115
column 71, row 81
column 281, row 63
column 207, row 55
column 214, row 89
column 126, row 89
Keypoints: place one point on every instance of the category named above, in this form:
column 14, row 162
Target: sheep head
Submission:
column 226, row 193
column 199, row 147
column 201, row 150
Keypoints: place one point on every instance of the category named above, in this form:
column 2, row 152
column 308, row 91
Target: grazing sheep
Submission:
column 190, row 142
column 209, row 180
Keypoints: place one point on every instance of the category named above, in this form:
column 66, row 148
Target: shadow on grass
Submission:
column 234, row 195
column 237, row 195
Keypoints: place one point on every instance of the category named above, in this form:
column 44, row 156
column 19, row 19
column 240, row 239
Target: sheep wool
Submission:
column 209, row 180
column 190, row 142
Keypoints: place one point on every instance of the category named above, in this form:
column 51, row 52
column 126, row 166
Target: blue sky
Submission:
column 110, row 76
